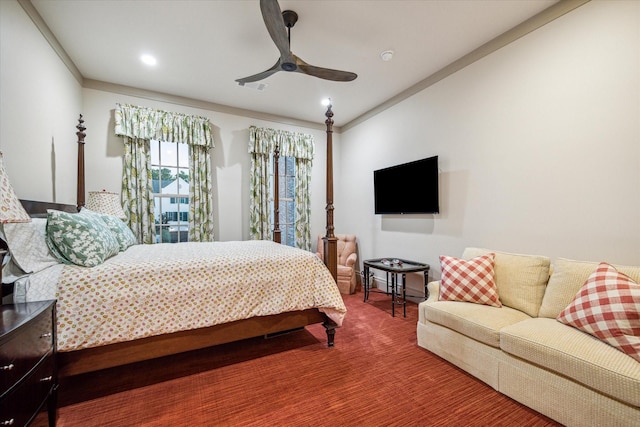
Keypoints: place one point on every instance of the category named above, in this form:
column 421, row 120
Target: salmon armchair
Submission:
column 347, row 258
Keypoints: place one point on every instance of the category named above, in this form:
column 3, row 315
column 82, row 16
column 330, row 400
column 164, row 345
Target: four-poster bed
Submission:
column 79, row 359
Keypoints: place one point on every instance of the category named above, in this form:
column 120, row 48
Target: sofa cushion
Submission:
column 608, row 307
column 521, row 279
column 567, row 279
column 576, row 355
column 469, row 280
column 477, row 321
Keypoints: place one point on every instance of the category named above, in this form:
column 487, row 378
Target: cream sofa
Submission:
column 523, row 352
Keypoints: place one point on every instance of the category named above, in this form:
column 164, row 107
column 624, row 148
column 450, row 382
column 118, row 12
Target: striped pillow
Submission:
column 469, row 280
column 608, row 307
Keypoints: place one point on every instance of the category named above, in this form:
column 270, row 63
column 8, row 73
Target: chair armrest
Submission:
column 351, row 260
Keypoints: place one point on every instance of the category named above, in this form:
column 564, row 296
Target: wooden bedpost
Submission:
column 276, row 196
column 80, row 179
column 330, row 240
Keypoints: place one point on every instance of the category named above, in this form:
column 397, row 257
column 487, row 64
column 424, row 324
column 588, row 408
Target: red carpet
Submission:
column 376, row 375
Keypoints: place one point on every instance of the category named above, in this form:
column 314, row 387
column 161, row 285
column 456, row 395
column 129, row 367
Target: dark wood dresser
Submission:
column 28, row 379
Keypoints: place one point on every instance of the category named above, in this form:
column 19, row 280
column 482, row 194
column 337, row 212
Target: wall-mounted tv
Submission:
column 409, row 188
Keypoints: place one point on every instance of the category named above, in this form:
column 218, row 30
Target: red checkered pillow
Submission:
column 470, row 281
column 608, row 307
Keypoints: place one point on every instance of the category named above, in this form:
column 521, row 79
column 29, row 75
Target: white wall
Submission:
column 230, row 159
column 539, row 148
column 40, row 100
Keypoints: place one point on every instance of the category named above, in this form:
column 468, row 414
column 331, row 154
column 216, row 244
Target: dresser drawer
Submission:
column 24, row 349
column 27, row 399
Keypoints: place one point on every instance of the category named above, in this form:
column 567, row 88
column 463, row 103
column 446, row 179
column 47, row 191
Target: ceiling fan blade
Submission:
column 260, row 76
column 323, row 73
column 272, row 16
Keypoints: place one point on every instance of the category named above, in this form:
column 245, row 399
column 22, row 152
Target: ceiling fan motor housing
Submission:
column 290, row 18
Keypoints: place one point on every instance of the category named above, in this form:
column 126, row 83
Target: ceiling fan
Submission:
column 276, row 22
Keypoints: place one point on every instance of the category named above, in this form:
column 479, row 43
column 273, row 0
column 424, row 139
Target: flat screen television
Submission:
column 409, row 188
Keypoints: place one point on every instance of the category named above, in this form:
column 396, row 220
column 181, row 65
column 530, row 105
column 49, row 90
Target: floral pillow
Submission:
column 121, row 231
column 79, row 239
column 469, row 280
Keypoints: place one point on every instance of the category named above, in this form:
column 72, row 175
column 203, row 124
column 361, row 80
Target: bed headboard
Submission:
column 39, row 209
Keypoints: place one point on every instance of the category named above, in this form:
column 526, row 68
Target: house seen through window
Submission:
column 286, row 187
column 170, row 174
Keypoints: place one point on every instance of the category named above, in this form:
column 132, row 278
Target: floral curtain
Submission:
column 200, row 203
column 137, row 191
column 138, row 125
column 262, row 142
column 147, row 123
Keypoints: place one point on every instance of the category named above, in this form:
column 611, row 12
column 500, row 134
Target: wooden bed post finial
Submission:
column 330, row 241
column 80, row 179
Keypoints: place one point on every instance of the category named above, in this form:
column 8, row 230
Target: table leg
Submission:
column 426, row 281
column 387, row 290
column 393, row 294
column 404, row 295
column 366, row 283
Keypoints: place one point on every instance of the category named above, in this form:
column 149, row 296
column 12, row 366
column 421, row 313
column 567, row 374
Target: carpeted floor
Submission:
column 376, row 375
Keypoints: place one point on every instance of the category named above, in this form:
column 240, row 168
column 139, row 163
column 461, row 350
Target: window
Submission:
column 170, row 174
column 183, row 200
column 286, row 187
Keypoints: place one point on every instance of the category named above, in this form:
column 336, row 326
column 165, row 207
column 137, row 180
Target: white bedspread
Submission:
column 156, row 289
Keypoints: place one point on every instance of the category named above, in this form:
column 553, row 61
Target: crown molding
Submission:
column 549, row 14
column 196, row 103
column 44, row 29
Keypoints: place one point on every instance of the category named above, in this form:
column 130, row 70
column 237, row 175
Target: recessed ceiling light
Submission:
column 387, row 55
column 148, row 59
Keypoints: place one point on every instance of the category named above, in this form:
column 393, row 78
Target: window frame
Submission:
column 286, row 198
column 174, row 229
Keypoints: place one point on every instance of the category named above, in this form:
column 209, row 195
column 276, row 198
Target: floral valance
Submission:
column 147, row 123
column 291, row 144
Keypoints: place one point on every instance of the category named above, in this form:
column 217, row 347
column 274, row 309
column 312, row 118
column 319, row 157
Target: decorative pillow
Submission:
column 123, row 233
column 469, row 280
column 120, row 230
column 521, row 279
column 608, row 307
column 566, row 280
column 80, row 239
column 28, row 246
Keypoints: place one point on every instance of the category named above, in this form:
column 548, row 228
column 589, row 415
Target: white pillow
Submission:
column 28, row 246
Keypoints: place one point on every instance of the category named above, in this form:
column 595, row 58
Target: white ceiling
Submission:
column 202, row 46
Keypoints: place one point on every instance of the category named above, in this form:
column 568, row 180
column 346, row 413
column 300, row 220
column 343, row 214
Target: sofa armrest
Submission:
column 434, row 295
column 434, row 291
